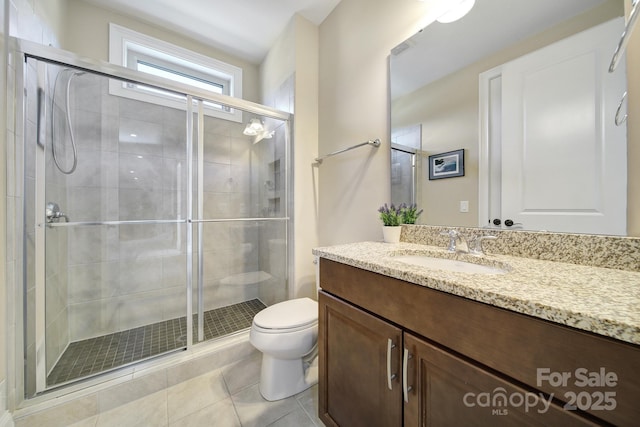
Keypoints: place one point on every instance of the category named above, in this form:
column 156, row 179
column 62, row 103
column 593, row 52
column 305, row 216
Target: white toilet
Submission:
column 287, row 333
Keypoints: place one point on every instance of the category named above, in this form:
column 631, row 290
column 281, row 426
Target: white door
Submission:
column 564, row 164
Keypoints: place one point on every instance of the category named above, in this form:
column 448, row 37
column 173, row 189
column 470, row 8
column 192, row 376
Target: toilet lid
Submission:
column 288, row 314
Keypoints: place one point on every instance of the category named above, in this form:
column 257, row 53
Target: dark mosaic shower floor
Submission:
column 83, row 358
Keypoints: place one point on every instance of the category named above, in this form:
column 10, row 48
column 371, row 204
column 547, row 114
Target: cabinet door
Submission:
column 359, row 368
column 445, row 390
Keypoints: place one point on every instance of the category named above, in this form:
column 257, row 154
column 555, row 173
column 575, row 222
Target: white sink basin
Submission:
column 446, row 264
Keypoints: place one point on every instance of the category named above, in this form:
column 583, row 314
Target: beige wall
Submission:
column 87, row 34
column 296, row 53
column 305, row 150
column 279, row 64
column 355, row 41
column 448, row 113
column 448, row 108
column 54, row 14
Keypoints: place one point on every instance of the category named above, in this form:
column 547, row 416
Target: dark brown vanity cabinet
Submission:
column 446, row 390
column 393, row 353
column 360, row 383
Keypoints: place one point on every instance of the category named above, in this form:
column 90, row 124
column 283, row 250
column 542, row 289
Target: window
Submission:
column 150, row 55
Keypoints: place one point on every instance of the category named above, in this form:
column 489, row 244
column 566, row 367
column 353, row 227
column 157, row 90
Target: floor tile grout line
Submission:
column 128, row 350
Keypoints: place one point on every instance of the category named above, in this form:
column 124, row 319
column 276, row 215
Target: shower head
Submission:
column 71, row 72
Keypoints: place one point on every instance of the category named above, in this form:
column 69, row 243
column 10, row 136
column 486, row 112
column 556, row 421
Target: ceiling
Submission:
column 490, row 26
column 244, row 28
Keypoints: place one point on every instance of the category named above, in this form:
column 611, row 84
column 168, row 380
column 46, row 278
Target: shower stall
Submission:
column 406, row 144
column 152, row 222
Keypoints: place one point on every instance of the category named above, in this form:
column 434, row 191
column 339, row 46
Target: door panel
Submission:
column 563, row 157
column 111, row 242
column 354, row 390
column 449, row 391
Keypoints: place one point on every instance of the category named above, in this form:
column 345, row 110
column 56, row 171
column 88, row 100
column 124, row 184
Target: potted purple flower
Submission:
column 391, row 219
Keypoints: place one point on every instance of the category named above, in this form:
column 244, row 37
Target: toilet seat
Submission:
column 287, row 316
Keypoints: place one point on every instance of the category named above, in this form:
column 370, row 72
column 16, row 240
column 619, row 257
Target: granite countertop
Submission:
column 601, row 300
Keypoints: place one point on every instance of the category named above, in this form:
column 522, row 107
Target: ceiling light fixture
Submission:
column 456, row 12
column 253, row 128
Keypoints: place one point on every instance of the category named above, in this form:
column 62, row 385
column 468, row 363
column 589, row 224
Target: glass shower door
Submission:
column 110, row 192
column 240, row 223
column 403, row 175
column 148, row 226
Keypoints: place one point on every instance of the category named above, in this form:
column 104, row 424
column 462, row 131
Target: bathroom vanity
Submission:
column 544, row 343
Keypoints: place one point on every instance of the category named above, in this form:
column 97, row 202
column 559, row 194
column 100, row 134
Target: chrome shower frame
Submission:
column 23, row 50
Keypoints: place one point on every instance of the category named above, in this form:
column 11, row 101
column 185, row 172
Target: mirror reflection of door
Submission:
column 405, row 143
column 561, row 100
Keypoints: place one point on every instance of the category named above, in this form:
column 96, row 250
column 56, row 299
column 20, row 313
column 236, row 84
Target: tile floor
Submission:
column 225, row 397
column 90, row 356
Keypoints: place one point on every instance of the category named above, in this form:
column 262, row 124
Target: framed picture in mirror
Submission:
column 446, row 165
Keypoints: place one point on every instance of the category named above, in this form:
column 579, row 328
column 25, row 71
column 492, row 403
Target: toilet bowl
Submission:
column 286, row 333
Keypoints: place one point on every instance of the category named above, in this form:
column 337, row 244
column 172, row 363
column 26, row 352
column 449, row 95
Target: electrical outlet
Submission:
column 464, row 206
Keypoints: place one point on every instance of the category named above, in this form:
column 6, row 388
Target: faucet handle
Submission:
column 476, row 244
column 453, row 237
column 53, row 213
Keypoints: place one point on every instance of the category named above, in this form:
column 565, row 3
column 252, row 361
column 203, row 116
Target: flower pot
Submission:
column 391, row 233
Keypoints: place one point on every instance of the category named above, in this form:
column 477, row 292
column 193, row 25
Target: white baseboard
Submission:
column 6, row 420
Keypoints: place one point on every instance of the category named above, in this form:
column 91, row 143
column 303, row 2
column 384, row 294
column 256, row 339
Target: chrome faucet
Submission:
column 458, row 242
column 455, row 237
column 476, row 244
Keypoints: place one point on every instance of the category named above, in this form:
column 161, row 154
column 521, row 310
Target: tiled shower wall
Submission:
column 28, row 20
column 133, row 275
column 101, row 278
column 131, row 166
column 230, row 249
column 273, row 237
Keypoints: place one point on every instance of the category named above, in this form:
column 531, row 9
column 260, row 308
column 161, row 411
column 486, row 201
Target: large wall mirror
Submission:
column 506, row 118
